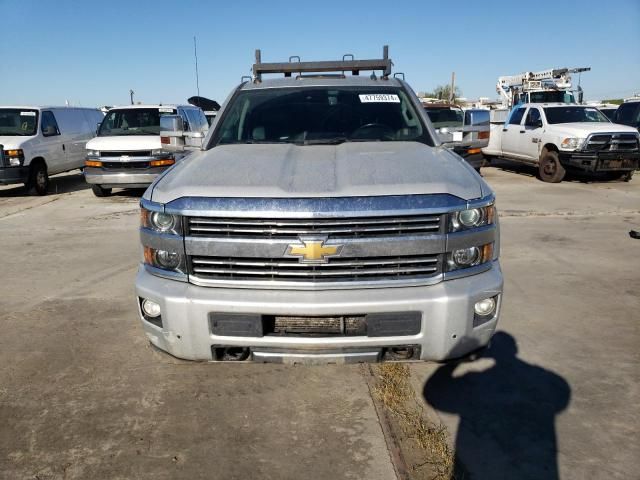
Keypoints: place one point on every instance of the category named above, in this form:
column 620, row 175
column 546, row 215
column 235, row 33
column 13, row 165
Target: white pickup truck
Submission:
column 556, row 137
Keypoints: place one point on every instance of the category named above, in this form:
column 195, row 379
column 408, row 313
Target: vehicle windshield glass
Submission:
column 134, row 121
column 320, row 115
column 574, row 114
column 18, row 122
column 552, row 96
column 445, row 117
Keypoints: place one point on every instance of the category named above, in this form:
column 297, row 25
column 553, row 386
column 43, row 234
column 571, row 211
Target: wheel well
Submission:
column 549, row 147
column 36, row 161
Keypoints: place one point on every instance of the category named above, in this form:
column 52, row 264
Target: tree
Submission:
column 442, row 92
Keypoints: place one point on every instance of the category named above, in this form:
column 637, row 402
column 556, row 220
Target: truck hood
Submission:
column 124, row 142
column 293, row 171
column 583, row 129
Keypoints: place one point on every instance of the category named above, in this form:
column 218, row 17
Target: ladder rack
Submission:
column 354, row 66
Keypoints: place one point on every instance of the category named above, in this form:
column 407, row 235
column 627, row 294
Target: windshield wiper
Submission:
column 324, row 141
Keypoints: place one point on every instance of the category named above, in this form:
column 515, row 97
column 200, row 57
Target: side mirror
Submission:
column 174, row 138
column 49, row 131
column 476, row 118
column 538, row 123
column 98, row 127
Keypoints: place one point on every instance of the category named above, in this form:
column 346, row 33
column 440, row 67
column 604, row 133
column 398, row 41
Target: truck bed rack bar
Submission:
column 344, row 65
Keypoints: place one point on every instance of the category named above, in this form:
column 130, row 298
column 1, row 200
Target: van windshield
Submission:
column 18, row 122
column 574, row 114
column 320, row 115
column 133, row 121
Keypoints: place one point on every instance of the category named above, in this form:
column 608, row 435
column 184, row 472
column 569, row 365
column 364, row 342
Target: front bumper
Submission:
column 122, row 178
column 11, row 175
column 446, row 310
column 601, row 161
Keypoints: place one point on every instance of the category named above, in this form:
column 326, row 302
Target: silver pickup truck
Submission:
column 320, row 221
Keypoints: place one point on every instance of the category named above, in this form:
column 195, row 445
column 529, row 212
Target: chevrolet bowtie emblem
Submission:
column 313, row 250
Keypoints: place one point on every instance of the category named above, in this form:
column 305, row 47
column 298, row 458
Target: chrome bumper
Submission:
column 122, row 178
column 447, row 318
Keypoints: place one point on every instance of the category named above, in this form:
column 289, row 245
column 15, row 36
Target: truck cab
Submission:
column 322, row 220
column 127, row 152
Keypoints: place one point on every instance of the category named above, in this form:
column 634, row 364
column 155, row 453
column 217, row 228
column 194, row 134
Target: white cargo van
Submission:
column 127, row 153
column 40, row 141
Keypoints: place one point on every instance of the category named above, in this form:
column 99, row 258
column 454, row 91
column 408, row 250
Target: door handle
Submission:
column 63, row 149
column 504, row 129
column 522, row 131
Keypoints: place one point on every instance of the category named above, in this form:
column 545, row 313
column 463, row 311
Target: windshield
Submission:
column 16, row 122
column 320, row 115
column 551, row 96
column 574, row 114
column 444, row 117
column 134, row 121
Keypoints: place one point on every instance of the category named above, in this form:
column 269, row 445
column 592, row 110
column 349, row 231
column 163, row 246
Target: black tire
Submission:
column 549, row 169
column 626, row 176
column 38, row 181
column 99, row 191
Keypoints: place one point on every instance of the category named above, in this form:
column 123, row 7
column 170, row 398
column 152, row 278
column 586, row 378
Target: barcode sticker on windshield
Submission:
column 27, row 114
column 165, row 110
column 379, row 98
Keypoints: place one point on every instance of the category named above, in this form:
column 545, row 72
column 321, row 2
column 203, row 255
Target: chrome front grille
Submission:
column 126, row 153
column 291, row 229
column 336, row 270
column 611, row 142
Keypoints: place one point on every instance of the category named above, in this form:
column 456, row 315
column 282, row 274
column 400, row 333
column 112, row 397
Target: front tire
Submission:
column 38, row 181
column 99, row 191
column 549, row 169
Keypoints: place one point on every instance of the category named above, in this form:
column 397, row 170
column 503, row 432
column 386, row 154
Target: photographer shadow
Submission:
column 507, row 415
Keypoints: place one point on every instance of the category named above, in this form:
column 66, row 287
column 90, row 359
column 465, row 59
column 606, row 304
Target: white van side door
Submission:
column 54, row 153
column 75, row 133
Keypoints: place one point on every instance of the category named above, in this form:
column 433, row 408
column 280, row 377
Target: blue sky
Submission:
column 92, row 53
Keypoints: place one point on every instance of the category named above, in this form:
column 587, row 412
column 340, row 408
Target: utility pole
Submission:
column 131, row 92
column 195, row 54
column 452, row 94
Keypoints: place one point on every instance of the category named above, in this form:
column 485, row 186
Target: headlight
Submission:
column 471, row 218
column 157, row 152
column 469, row 257
column 571, row 143
column 15, row 161
column 93, row 153
column 160, row 221
column 164, row 259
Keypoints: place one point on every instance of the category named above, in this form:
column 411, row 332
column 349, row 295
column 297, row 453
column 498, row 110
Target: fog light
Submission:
column 485, row 307
column 150, row 308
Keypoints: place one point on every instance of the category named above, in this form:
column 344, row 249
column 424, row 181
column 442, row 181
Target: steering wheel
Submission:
column 385, row 130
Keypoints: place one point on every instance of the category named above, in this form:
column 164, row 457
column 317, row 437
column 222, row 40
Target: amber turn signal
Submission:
column 162, row 163
column 92, row 163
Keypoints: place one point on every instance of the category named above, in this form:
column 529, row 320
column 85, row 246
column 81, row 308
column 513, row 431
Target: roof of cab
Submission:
column 42, row 107
column 322, row 81
column 553, row 104
column 129, row 107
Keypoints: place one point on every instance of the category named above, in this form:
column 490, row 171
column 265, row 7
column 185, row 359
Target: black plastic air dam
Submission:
column 388, row 324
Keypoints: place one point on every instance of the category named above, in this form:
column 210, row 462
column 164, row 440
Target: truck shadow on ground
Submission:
column 507, row 414
column 57, row 184
column 530, row 171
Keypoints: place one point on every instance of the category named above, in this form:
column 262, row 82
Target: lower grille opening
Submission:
column 230, row 354
column 315, row 326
